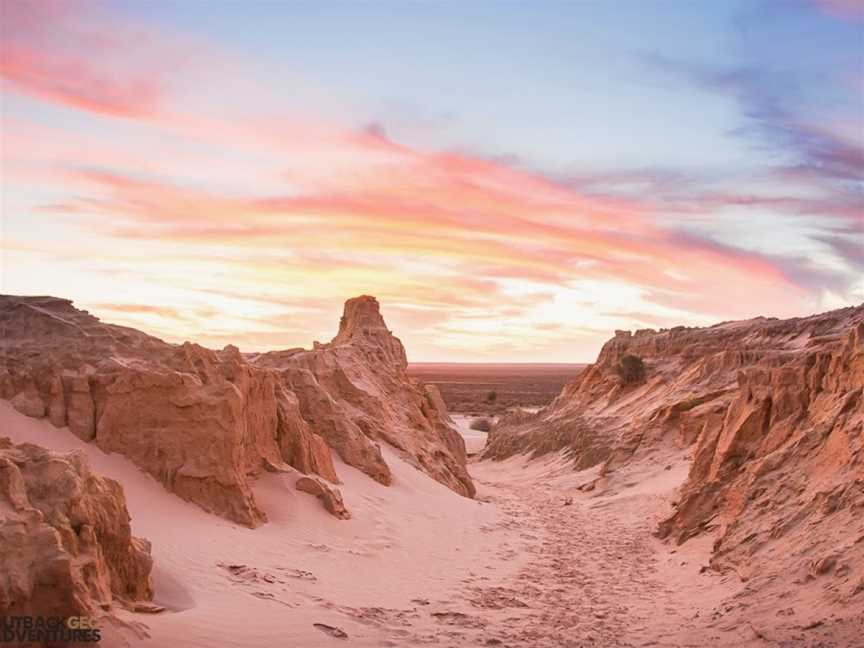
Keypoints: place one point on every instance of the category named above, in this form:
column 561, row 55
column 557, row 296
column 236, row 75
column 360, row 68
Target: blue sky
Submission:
column 708, row 144
column 561, row 85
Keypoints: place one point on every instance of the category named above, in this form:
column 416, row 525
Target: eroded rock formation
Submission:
column 205, row 422
column 775, row 412
column 66, row 547
column 355, row 392
column 780, row 476
column 330, row 497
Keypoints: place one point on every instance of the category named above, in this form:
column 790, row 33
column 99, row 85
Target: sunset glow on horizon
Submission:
column 512, row 182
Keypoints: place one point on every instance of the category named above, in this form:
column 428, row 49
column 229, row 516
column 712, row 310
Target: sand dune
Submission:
column 413, row 540
column 418, row 564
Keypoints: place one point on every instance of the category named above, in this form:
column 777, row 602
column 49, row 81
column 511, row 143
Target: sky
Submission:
column 514, row 181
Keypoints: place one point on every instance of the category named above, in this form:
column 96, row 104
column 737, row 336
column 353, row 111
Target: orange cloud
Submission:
column 471, row 217
column 254, row 230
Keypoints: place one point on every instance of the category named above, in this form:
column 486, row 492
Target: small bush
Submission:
column 492, row 396
column 481, row 425
column 631, row 369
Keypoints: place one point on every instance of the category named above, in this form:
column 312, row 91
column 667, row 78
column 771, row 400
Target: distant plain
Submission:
column 468, row 388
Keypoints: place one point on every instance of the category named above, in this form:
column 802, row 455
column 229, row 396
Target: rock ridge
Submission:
column 206, row 423
column 68, row 548
column 773, row 412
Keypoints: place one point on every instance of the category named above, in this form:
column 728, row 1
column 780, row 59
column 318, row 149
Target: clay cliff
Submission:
column 205, row 423
column 774, row 413
column 355, row 392
column 67, row 545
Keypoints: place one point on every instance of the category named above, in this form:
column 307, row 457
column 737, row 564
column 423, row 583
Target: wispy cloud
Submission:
column 767, row 98
column 849, row 9
column 70, row 52
column 475, row 218
column 255, row 229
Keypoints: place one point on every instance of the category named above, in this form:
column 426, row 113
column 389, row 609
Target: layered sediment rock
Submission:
column 780, row 476
column 775, row 412
column 205, row 422
column 355, row 393
column 66, row 547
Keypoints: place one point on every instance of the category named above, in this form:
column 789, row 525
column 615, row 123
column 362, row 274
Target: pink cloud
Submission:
column 239, row 210
column 463, row 217
column 853, row 9
column 69, row 53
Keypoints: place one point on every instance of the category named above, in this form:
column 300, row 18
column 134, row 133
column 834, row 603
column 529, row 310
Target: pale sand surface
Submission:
column 475, row 440
column 413, row 540
column 419, row 564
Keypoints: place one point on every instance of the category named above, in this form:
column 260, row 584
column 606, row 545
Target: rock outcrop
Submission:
column 355, row 393
column 774, row 410
column 206, row 422
column 66, row 547
column 779, row 477
column 329, row 496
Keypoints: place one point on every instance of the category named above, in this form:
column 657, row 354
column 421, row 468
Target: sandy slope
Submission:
column 421, row 565
column 413, row 540
column 474, row 439
column 596, row 575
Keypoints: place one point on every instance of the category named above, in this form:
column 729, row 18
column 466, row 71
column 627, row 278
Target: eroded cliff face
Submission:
column 206, row 422
column 780, row 477
column 67, row 547
column 692, row 376
column 774, row 411
column 200, row 421
column 355, row 392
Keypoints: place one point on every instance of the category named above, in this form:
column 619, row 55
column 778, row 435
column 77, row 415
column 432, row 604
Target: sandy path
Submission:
column 419, row 565
column 586, row 571
column 593, row 573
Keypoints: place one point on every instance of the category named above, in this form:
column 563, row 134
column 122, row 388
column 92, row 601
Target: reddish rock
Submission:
column 66, row 547
column 206, row 422
column 29, row 403
column 356, row 394
column 774, row 410
column 299, row 445
column 330, row 496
